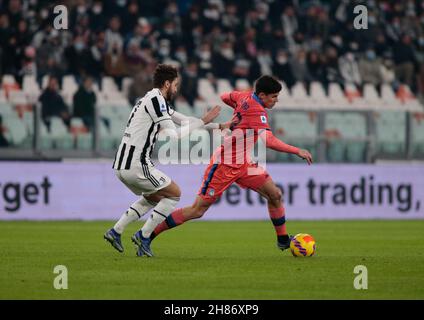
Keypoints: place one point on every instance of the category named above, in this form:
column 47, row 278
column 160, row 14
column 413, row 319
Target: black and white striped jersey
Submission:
column 142, row 130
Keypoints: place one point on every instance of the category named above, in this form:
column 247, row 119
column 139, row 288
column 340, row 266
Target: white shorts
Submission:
column 143, row 179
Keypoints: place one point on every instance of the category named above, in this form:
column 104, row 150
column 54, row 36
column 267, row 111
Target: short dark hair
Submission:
column 267, row 85
column 164, row 72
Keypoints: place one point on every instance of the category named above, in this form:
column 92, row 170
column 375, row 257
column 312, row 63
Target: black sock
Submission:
column 284, row 238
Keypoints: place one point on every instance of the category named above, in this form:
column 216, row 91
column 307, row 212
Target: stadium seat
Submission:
column 404, row 94
column 225, row 115
column 122, row 112
column 117, row 127
column 284, row 98
column 184, row 108
column 31, row 88
column 18, row 97
column 295, row 127
column 16, row 130
column 84, row 141
column 300, row 95
column 224, row 86
column 109, row 85
column 349, row 143
column 318, row 94
column 9, row 84
column 371, row 96
column 3, row 97
column 44, row 82
column 106, row 141
column 114, row 98
column 242, row 85
column 391, row 132
column 46, row 139
column 351, row 92
column 200, row 107
column 417, row 133
column 69, row 85
column 8, row 79
column 28, row 119
column 106, row 111
column 388, row 96
column 62, row 138
column 7, row 110
column 336, row 95
column 126, row 84
column 206, row 90
column 30, row 84
column 77, row 126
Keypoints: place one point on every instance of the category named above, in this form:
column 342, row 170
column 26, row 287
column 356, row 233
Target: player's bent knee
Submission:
column 275, row 195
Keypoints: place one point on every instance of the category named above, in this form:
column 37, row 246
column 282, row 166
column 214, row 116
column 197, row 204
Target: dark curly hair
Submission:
column 164, row 72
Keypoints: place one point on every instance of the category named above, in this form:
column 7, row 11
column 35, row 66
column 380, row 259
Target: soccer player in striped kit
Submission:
column 133, row 166
column 250, row 122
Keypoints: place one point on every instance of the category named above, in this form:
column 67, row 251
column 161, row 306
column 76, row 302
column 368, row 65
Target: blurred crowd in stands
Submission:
column 297, row 40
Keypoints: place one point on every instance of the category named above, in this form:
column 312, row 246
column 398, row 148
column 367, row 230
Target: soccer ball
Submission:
column 302, row 245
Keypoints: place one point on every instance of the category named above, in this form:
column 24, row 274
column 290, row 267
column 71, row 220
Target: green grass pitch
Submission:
column 213, row 260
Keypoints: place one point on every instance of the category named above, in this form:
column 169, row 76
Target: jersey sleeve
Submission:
column 157, row 109
column 187, row 125
column 231, row 98
column 274, row 143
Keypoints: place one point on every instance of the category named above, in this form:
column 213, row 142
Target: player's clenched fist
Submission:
column 306, row 155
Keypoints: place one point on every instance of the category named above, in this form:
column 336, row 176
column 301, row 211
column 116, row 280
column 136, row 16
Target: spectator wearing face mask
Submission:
column 84, row 101
column 316, row 68
column 204, row 55
column 52, row 104
column 404, row 58
column 180, row 55
column 224, row 61
column 387, row 71
column 98, row 19
column 349, row 69
column 370, row 68
column 190, row 81
column 77, row 56
column 113, row 37
column 282, row 69
column 300, row 67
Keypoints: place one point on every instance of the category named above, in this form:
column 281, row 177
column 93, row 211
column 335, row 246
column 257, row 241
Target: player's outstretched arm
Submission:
column 182, row 119
column 274, row 143
column 188, row 124
column 306, row 155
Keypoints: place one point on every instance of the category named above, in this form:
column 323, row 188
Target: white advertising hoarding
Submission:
column 91, row 191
